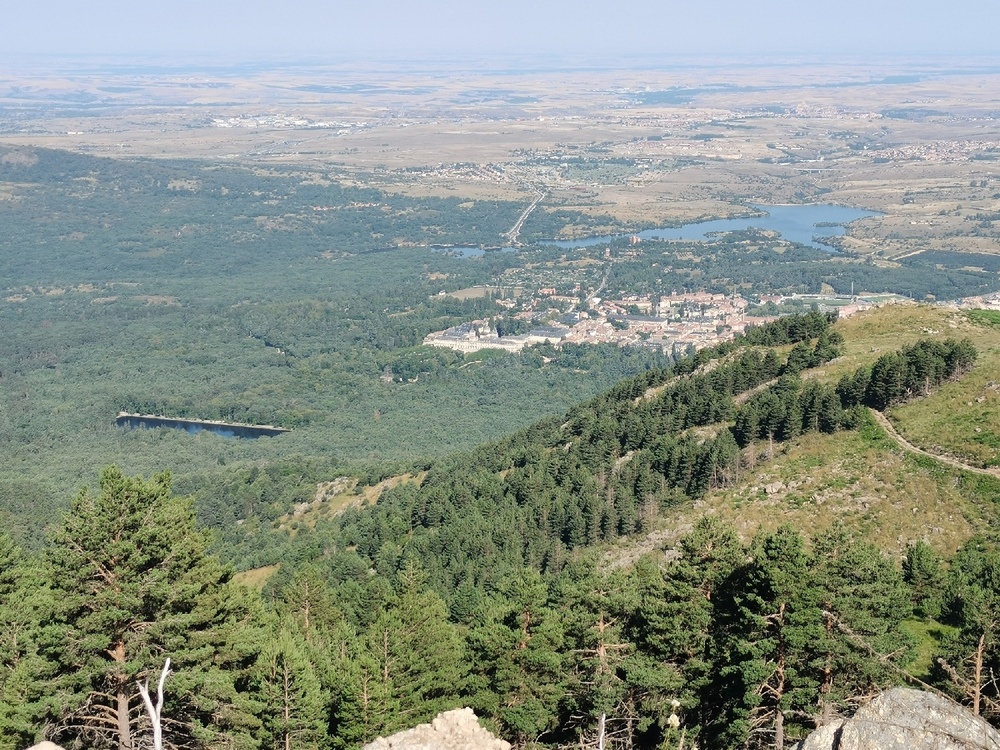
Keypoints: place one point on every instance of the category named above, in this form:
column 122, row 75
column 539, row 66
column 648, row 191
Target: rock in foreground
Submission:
column 451, row 730
column 903, row 719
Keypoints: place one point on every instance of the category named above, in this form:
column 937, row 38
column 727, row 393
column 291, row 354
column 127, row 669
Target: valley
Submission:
column 535, row 445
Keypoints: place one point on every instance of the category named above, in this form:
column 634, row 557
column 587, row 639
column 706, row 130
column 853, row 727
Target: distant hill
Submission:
column 640, row 464
column 731, row 550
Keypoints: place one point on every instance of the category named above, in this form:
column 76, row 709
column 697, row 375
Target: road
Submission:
column 516, row 229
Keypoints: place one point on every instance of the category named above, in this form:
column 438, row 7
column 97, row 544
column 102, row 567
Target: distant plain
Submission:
column 646, row 144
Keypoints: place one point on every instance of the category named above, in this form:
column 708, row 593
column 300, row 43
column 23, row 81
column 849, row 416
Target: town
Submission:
column 673, row 323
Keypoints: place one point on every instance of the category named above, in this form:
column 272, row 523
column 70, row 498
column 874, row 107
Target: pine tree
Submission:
column 831, row 414
column 924, row 573
column 294, row 706
column 670, row 630
column 133, row 585
column 769, row 622
column 829, row 345
column 350, row 681
column 799, row 358
column 972, row 604
column 810, row 404
column 852, row 388
column 25, row 603
column 597, row 610
column 309, row 601
column 887, row 385
column 404, row 667
column 864, row 601
column 516, row 649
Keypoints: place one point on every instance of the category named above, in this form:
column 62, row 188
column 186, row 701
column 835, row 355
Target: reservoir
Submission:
column 463, row 251
column 223, row 429
column 805, row 224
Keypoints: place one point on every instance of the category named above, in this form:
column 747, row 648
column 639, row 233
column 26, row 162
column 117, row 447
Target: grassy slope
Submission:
column 963, row 419
column 862, row 478
column 864, row 481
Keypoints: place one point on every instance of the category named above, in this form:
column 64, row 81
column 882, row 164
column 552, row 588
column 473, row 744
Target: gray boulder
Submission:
column 903, row 719
column 451, row 730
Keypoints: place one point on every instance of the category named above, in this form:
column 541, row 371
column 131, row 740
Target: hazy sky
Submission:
column 588, row 29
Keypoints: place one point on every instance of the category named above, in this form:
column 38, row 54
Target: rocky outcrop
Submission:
column 451, row 730
column 902, row 719
column 45, row 745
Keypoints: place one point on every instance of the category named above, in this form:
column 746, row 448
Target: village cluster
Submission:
column 671, row 323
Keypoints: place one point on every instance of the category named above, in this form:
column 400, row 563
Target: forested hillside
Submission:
column 221, row 291
column 552, row 537
column 487, row 583
column 291, row 296
column 613, row 464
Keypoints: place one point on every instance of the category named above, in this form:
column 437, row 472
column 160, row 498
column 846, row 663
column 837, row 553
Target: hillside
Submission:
column 623, row 465
column 730, row 550
column 293, row 296
column 864, row 479
column 931, row 498
column 859, row 478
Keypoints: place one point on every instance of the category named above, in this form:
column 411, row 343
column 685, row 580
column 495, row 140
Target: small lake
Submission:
column 805, row 224
column 471, row 252
column 192, row 426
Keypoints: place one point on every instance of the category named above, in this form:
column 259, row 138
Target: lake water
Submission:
column 471, row 252
column 799, row 223
column 223, row 429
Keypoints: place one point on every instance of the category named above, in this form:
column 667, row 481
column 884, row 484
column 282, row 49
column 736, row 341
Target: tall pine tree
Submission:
column 133, row 586
column 25, row 603
column 294, row 706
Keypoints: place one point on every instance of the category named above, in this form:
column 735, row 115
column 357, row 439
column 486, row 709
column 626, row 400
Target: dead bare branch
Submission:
column 155, row 711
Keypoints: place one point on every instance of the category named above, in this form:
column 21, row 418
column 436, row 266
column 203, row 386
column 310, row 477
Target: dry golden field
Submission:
column 645, row 145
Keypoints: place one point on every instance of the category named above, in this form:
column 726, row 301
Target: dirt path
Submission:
column 890, row 429
column 741, row 398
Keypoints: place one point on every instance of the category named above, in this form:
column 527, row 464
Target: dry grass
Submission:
column 872, row 333
column 472, row 292
column 855, row 479
column 334, row 497
column 255, row 578
column 873, row 489
column 158, row 299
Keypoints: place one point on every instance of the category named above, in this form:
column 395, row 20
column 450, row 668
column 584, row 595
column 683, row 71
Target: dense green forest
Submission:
column 227, row 292
column 755, row 263
column 290, row 296
column 484, row 585
column 287, row 296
